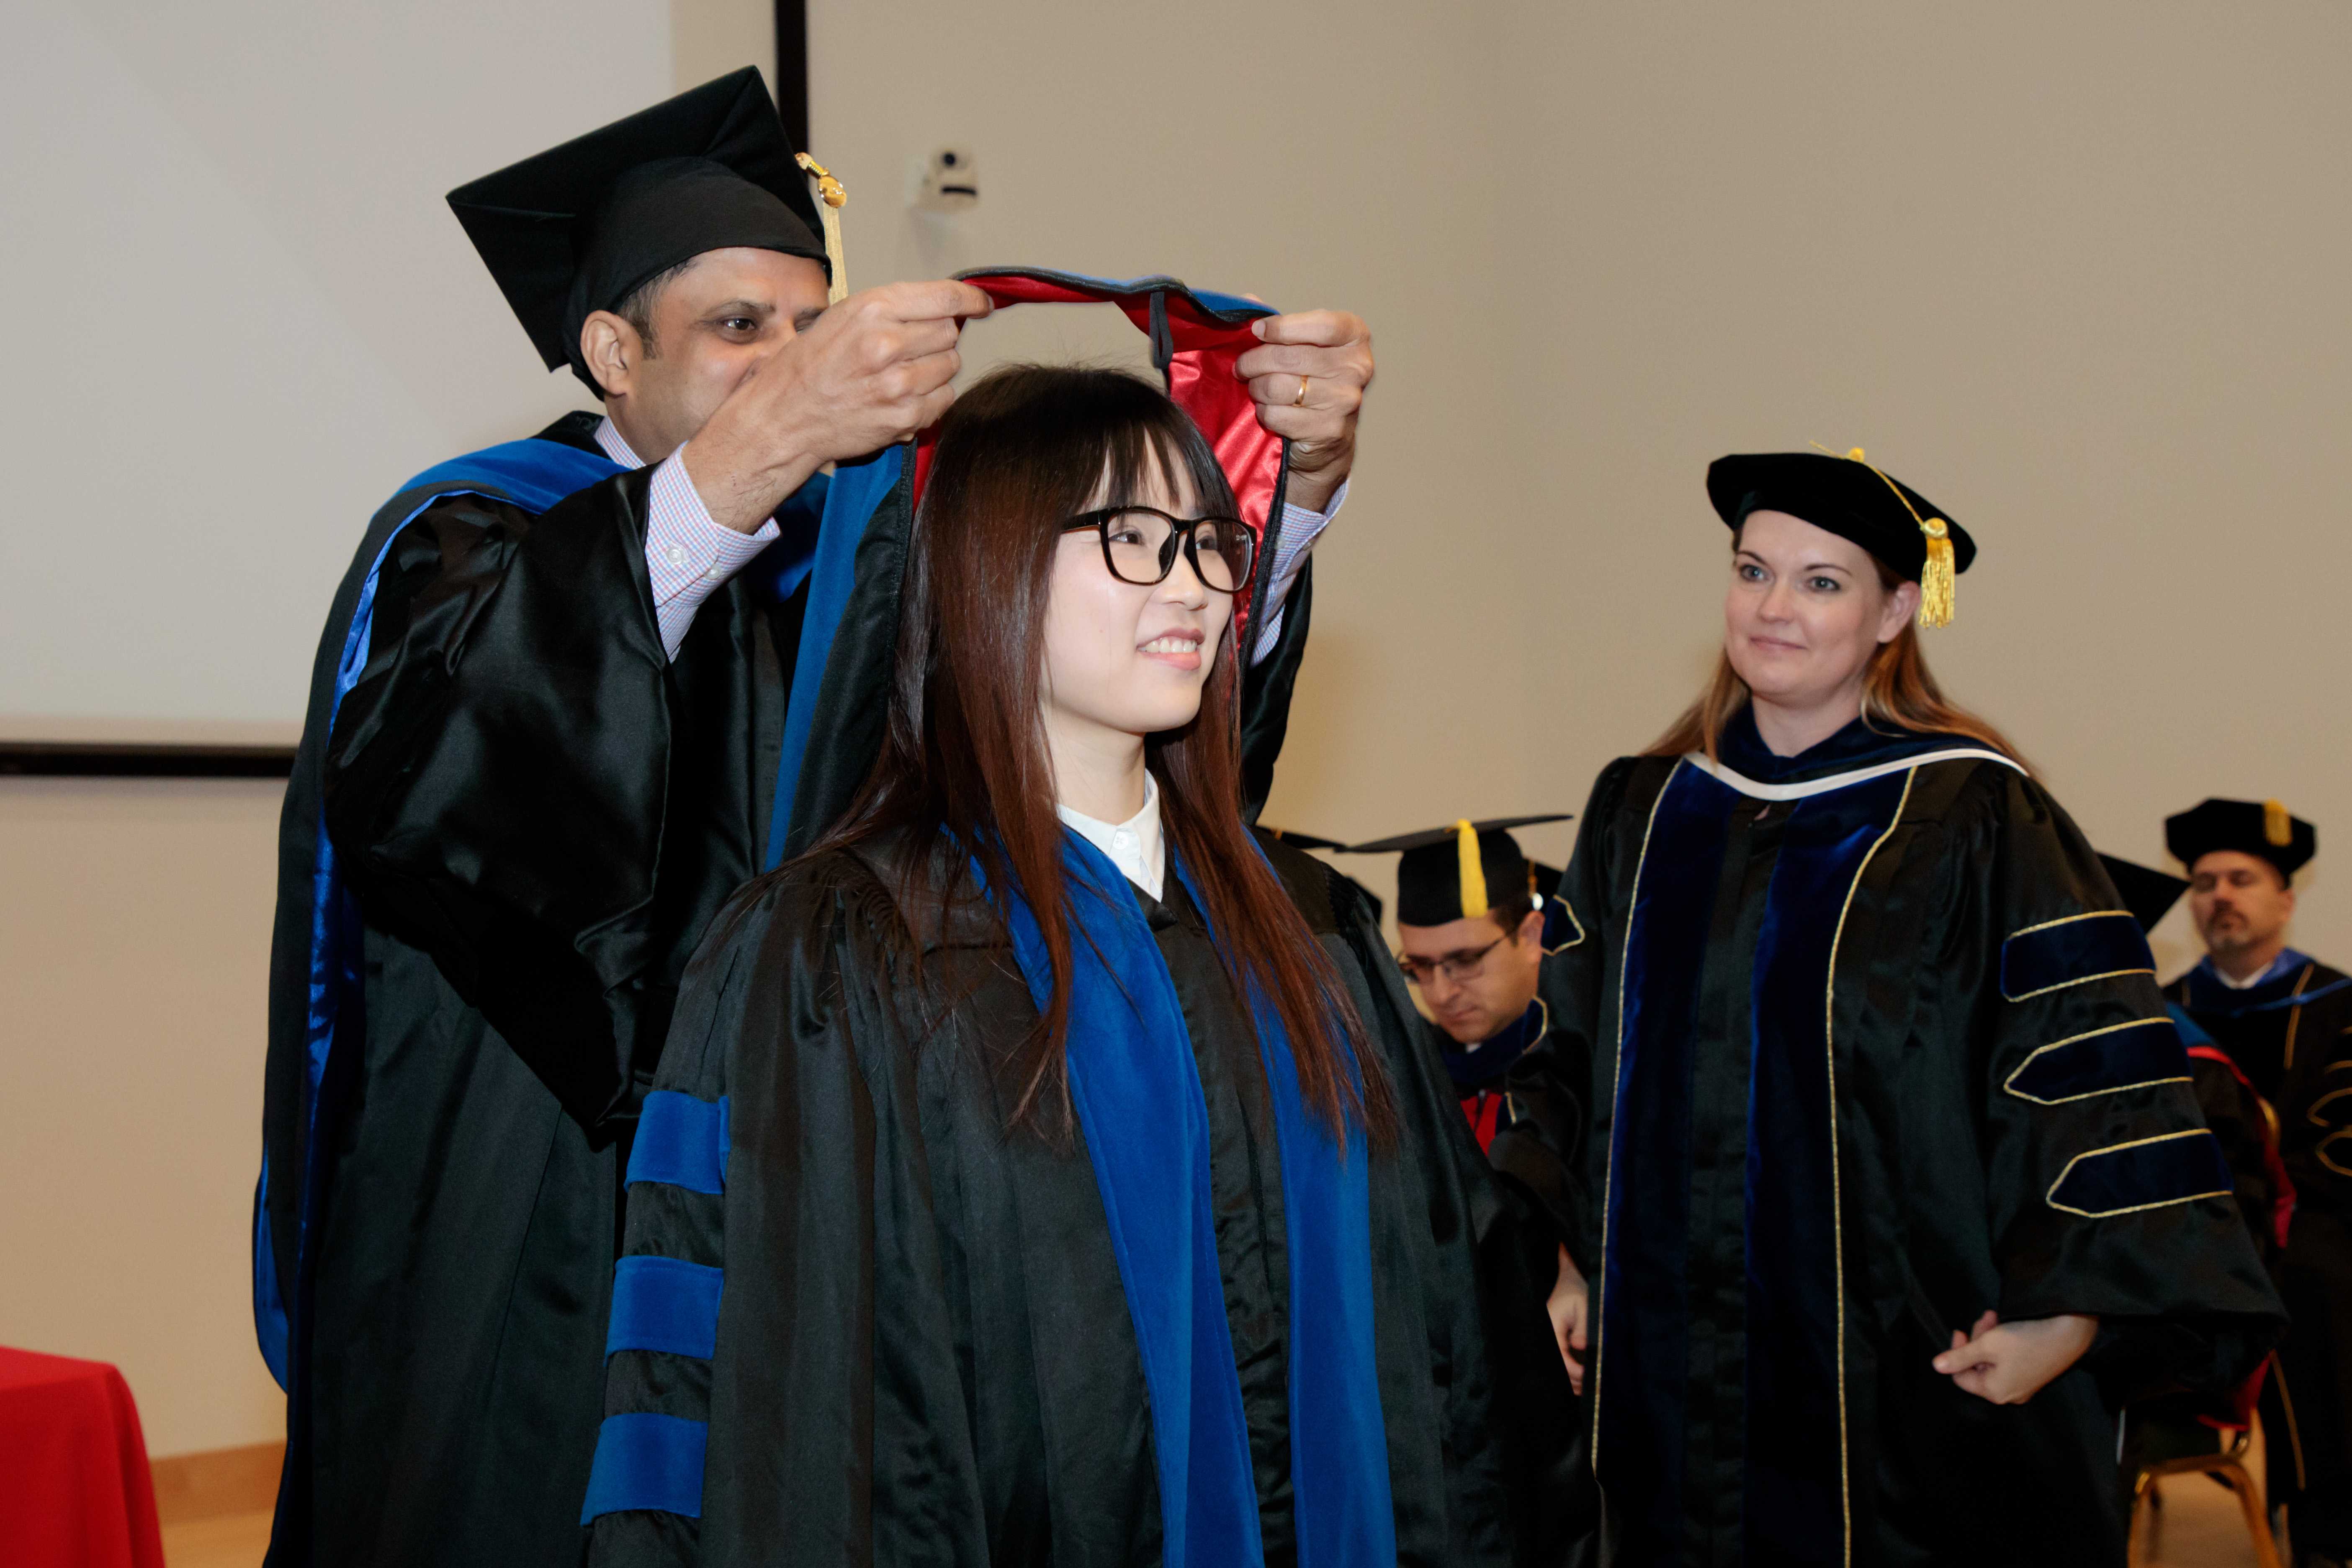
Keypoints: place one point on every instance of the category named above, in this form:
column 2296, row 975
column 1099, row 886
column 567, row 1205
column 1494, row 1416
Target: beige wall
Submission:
column 135, row 943
column 2075, row 272
column 2072, row 271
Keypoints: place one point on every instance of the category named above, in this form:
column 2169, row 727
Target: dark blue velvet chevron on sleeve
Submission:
column 2144, row 1175
column 2071, row 951
column 2103, row 1061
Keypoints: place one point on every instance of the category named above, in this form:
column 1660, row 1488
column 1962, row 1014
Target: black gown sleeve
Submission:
column 1512, row 1428
column 1546, row 1155
column 2235, row 1114
column 2104, row 1191
column 522, row 785
column 786, row 1016
column 1266, row 687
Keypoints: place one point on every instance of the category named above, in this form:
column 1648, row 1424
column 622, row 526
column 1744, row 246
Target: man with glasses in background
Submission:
column 1474, row 918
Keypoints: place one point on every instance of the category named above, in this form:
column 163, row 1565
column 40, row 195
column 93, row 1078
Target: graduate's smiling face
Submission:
column 1806, row 611
column 711, row 324
column 1122, row 660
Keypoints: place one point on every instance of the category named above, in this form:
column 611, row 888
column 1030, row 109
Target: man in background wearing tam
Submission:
column 2285, row 1019
column 572, row 692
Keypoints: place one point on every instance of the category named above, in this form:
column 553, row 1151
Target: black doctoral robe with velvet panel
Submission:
column 538, row 812
column 1854, row 1050
column 2297, row 1055
column 922, row 1351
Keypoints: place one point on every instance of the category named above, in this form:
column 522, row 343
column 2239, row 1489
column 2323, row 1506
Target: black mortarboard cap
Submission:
column 1436, row 885
column 1853, row 500
column 2148, row 893
column 2258, row 827
column 577, row 228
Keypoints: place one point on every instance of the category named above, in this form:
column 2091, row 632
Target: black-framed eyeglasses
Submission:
column 1140, row 544
column 1455, row 966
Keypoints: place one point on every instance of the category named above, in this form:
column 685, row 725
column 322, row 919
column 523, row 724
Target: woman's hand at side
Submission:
column 1568, row 1298
column 2008, row 1363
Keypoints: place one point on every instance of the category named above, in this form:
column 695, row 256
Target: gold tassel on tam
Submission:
column 2278, row 827
column 835, row 198
column 1940, row 573
column 1474, row 871
column 1937, row 576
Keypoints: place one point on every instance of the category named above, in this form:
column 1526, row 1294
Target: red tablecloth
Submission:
column 74, row 1489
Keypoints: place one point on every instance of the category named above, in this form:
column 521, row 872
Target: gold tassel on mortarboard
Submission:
column 835, row 198
column 2278, row 827
column 1474, row 871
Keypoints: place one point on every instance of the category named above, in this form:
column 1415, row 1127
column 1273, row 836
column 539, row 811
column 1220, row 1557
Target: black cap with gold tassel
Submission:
column 579, row 227
column 1460, row 871
column 1855, row 500
column 2263, row 830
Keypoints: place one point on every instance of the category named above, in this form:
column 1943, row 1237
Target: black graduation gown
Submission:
column 538, row 812
column 2297, row 1055
column 1841, row 1070
column 923, row 1352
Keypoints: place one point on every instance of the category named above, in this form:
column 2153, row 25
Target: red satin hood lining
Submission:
column 1200, row 379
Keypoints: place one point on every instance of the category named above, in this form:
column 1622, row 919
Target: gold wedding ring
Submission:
column 1300, row 400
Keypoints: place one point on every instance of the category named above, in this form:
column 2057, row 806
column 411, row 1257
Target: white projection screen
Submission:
column 242, row 314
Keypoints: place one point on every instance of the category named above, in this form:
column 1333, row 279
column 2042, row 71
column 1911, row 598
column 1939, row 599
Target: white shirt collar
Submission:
column 1134, row 846
column 2268, row 972
column 608, row 435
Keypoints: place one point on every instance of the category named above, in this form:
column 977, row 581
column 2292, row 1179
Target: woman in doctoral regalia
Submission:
column 1900, row 1186
column 1044, row 1169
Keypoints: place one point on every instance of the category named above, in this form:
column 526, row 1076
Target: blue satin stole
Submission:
column 1657, row 1341
column 1136, row 1091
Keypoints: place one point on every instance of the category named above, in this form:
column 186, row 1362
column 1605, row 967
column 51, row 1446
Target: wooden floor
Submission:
column 232, row 1541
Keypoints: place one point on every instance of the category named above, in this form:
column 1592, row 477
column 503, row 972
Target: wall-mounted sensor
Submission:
column 951, row 181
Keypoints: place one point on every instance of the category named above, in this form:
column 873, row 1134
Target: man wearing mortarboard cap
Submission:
column 1475, row 919
column 2286, row 1020
column 572, row 692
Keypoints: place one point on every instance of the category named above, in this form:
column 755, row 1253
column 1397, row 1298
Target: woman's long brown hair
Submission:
column 964, row 756
column 1898, row 691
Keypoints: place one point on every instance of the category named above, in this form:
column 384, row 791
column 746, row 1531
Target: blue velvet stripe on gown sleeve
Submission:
column 647, row 1460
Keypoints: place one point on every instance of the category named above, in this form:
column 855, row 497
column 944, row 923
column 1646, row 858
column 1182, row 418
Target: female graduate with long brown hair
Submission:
column 1042, row 1168
column 1896, row 1186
